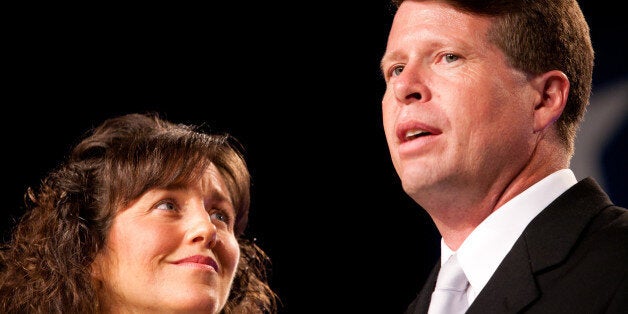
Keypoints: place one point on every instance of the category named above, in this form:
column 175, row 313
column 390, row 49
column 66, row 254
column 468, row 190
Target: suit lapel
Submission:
column 421, row 304
column 566, row 218
column 512, row 286
column 498, row 296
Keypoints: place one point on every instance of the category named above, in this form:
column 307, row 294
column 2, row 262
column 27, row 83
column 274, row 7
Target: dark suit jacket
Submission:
column 571, row 258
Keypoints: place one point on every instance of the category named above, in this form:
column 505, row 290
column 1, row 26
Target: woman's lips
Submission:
column 199, row 261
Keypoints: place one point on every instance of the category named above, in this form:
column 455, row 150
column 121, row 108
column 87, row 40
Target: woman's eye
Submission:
column 450, row 57
column 220, row 216
column 166, row 206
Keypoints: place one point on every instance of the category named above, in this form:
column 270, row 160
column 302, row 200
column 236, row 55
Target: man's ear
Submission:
column 553, row 87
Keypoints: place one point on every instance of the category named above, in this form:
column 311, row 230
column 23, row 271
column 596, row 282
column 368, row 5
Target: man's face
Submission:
column 456, row 115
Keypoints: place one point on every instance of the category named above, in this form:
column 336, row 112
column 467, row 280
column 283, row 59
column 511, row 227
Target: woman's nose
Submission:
column 202, row 230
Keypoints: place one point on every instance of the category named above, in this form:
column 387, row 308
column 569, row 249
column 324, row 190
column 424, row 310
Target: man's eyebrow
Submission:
column 388, row 58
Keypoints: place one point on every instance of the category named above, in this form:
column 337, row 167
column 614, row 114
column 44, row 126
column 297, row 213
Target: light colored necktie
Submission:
column 449, row 295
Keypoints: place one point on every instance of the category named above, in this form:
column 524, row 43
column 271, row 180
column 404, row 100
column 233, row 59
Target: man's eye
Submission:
column 450, row 57
column 397, row 70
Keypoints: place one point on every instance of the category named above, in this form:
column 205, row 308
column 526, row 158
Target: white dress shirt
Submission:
column 484, row 249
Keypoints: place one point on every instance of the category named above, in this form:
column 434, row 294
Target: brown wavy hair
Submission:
column 45, row 266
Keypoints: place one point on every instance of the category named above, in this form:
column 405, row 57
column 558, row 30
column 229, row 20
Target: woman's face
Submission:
column 171, row 250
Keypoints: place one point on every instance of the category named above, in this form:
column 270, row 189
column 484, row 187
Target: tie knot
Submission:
column 451, row 276
column 449, row 297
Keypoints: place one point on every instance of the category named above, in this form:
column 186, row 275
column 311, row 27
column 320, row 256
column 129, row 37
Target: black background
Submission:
column 297, row 83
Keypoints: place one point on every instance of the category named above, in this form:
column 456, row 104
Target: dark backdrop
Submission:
column 298, row 84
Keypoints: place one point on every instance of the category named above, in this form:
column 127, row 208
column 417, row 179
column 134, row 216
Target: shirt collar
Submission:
column 483, row 250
